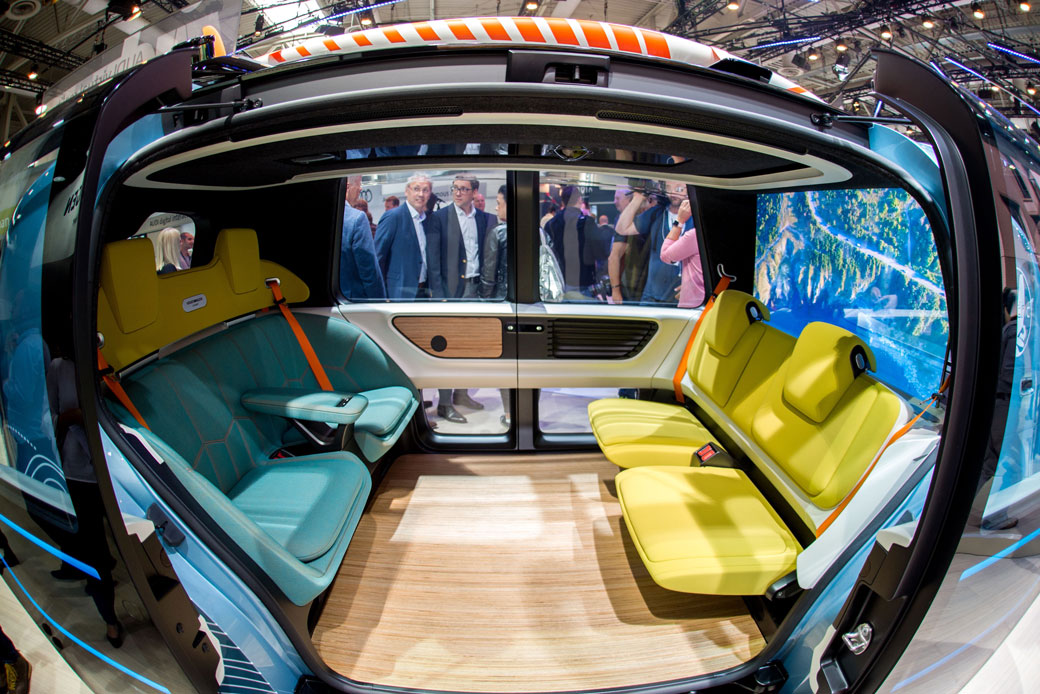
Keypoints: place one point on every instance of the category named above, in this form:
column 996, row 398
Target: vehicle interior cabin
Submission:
column 589, row 462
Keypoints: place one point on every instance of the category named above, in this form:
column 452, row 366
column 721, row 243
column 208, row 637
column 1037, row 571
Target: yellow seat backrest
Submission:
column 728, row 337
column 140, row 311
column 823, row 419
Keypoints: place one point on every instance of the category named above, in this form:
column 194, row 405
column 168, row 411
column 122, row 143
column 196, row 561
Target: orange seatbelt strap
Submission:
column 301, row 337
column 681, row 369
column 117, row 389
column 895, row 437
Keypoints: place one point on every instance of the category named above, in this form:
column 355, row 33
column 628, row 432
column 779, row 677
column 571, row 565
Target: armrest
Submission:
column 307, row 405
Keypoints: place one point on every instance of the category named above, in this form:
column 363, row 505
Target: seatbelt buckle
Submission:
column 707, row 452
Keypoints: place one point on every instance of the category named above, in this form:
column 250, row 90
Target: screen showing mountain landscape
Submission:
column 861, row 259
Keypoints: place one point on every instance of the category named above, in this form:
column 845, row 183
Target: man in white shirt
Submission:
column 462, row 230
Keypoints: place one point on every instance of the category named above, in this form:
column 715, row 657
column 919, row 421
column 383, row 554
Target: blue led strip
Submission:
column 986, row 79
column 79, row 642
column 969, row 572
column 85, row 568
column 788, row 42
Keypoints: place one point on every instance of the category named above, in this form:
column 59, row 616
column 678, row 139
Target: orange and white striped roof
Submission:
column 547, row 32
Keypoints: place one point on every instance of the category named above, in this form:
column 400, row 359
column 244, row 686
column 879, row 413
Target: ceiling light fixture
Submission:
column 886, row 32
column 813, row 54
column 531, row 5
column 135, row 12
column 259, row 30
column 1024, row 6
column 927, row 22
column 733, row 6
column 1030, row 89
column 841, row 46
column 34, row 72
column 976, row 11
column 366, row 21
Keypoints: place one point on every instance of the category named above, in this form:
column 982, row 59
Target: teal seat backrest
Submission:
column 191, row 399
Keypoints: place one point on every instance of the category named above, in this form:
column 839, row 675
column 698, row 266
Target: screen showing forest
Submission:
column 861, row 259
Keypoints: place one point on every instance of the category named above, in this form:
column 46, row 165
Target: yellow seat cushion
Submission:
column 632, row 433
column 705, row 530
column 139, row 311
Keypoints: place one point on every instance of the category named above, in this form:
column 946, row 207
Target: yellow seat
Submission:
column 659, row 434
column 637, row 432
column 705, row 530
column 820, row 419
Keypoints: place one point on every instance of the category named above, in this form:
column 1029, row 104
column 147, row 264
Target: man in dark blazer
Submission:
column 407, row 241
column 359, row 275
column 462, row 229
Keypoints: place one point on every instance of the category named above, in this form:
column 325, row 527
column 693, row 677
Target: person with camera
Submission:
column 653, row 226
column 680, row 246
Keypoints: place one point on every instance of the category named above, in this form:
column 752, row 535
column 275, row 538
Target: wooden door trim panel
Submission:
column 453, row 337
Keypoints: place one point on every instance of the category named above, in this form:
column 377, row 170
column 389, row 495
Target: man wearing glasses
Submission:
column 463, row 228
column 407, row 240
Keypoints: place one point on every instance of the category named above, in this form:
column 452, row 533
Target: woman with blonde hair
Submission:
column 167, row 245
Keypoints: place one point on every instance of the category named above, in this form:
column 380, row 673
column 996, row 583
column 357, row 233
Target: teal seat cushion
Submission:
column 385, row 408
column 300, row 501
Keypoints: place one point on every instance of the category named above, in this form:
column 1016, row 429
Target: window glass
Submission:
column 566, row 410
column 29, row 348
column 861, row 259
column 173, row 240
column 468, row 411
column 425, row 235
column 612, row 240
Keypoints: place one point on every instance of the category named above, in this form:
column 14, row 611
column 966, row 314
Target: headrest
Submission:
column 140, row 312
column 825, row 361
column 730, row 317
column 240, row 253
column 129, row 281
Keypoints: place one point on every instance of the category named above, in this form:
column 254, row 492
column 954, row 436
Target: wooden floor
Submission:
column 500, row 574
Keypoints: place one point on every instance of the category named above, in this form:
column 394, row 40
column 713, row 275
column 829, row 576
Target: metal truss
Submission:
column 9, row 78
column 38, row 51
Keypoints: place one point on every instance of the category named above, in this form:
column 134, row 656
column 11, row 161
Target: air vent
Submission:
column 584, row 338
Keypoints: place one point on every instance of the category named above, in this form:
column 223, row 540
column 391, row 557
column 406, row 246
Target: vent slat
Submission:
column 590, row 338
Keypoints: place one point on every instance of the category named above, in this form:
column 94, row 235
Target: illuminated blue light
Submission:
column 1005, row 49
column 788, row 42
column 80, row 642
column 986, row 79
column 85, row 568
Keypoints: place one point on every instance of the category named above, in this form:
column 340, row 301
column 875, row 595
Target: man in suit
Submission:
column 462, row 229
column 359, row 274
column 405, row 237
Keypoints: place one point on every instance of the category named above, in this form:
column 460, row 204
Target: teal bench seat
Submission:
column 293, row 516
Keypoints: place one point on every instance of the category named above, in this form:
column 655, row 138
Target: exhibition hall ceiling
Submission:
column 990, row 46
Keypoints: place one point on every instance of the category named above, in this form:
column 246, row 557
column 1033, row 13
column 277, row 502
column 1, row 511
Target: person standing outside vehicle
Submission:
column 187, row 244
column 653, row 226
column 494, row 275
column 680, row 246
column 463, row 228
column 628, row 260
column 404, row 236
column 359, row 274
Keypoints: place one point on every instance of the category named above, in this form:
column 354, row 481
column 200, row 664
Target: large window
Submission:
column 861, row 259
column 425, row 235
column 605, row 239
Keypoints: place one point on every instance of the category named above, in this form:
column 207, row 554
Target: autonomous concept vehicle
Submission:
column 524, row 444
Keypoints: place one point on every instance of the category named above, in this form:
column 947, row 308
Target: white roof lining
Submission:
column 822, row 171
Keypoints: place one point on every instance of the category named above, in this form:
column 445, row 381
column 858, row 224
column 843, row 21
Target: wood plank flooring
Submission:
column 514, row 573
